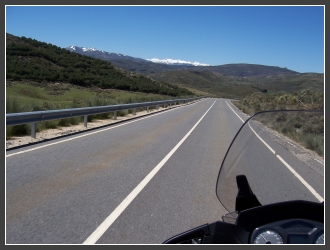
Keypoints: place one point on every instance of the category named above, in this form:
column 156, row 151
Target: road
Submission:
column 137, row 182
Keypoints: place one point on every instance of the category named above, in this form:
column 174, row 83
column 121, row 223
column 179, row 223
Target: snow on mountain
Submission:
column 88, row 49
column 173, row 62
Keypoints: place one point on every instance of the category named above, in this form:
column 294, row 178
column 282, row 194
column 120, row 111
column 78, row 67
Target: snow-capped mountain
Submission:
column 101, row 53
column 86, row 50
column 176, row 62
column 156, row 66
column 129, row 63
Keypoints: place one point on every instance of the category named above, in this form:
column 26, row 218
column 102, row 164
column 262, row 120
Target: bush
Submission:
column 305, row 99
column 17, row 130
column 315, row 142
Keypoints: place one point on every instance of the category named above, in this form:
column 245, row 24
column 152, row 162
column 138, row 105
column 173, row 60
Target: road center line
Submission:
column 95, row 236
column 310, row 188
column 91, row 133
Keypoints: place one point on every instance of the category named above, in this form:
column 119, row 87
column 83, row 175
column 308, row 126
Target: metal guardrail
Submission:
column 39, row 116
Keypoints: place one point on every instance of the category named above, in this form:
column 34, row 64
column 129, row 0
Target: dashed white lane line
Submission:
column 310, row 188
column 291, row 144
column 95, row 236
column 319, row 161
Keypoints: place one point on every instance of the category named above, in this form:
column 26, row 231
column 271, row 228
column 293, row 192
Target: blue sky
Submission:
column 284, row 36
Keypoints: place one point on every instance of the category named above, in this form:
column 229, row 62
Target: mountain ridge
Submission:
column 149, row 67
column 28, row 58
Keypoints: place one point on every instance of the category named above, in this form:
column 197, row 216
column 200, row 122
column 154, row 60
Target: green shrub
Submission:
column 17, row 130
column 315, row 142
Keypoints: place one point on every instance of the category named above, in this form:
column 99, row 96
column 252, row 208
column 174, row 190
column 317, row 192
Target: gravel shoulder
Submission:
column 61, row 131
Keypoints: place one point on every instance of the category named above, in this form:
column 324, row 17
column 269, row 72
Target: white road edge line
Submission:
column 91, row 133
column 95, row 236
column 235, row 112
column 309, row 187
column 312, row 190
column 265, row 143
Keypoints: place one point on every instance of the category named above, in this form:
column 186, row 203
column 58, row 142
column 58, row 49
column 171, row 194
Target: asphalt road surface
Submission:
column 137, row 182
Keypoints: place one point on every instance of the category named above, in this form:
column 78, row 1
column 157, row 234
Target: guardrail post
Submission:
column 33, row 130
column 115, row 115
column 134, row 112
column 147, row 109
column 85, row 121
column 33, row 117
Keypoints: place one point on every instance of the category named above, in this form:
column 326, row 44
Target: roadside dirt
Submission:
column 53, row 133
column 308, row 157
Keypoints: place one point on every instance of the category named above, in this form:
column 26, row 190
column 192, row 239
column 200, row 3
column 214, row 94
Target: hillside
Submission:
column 229, row 80
column 238, row 87
column 29, row 59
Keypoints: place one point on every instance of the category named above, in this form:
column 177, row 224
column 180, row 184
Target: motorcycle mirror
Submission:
column 245, row 198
